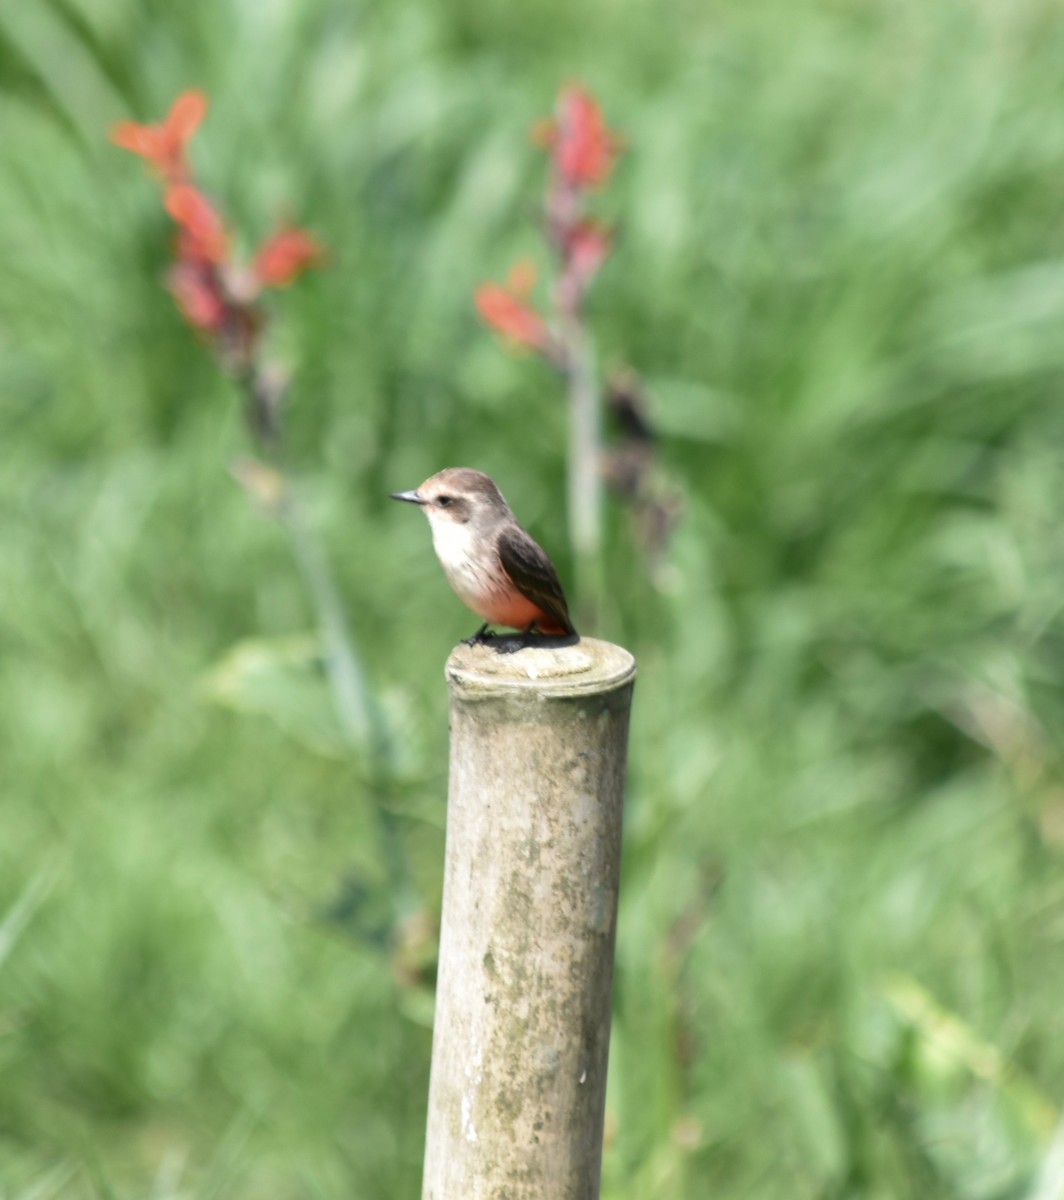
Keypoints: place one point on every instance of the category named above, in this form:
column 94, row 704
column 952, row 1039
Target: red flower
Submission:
column 283, row 257
column 588, row 246
column 509, row 315
column 198, row 292
column 202, row 232
column 195, row 280
column 583, row 147
column 163, row 146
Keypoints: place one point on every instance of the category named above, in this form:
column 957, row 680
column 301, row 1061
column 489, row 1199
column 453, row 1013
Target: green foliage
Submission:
column 841, row 273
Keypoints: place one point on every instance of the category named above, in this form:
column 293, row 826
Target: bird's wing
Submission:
column 533, row 574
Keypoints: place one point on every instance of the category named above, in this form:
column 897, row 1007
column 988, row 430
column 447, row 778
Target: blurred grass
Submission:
column 841, row 271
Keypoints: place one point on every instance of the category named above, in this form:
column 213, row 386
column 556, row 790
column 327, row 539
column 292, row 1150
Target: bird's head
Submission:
column 460, row 496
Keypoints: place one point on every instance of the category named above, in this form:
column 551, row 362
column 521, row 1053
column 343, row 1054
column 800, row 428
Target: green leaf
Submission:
column 283, row 679
column 947, row 1045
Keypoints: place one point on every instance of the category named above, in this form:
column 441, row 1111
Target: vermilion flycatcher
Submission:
column 496, row 569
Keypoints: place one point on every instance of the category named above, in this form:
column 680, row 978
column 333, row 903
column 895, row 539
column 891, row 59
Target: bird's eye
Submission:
column 443, row 501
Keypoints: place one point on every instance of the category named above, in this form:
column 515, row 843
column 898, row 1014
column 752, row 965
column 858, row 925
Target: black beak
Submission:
column 410, row 497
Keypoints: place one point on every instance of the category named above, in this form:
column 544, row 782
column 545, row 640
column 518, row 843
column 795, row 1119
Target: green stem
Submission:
column 360, row 717
column 354, row 705
column 585, row 477
column 361, row 721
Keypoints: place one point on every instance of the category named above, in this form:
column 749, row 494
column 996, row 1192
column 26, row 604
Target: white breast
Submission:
column 453, row 543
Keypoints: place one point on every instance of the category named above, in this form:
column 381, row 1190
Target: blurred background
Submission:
column 840, row 273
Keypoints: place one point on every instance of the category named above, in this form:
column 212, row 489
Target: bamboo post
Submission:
column 518, row 1089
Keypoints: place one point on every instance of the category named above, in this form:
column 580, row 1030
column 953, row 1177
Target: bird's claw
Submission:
column 511, row 644
column 508, row 644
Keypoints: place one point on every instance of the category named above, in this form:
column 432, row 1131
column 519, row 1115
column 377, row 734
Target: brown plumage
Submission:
column 494, row 566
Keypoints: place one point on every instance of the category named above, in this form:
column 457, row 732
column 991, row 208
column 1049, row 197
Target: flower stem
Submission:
column 585, row 480
column 356, row 708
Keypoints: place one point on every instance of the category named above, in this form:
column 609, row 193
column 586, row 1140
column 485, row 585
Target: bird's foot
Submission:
column 532, row 639
column 511, row 643
column 527, row 639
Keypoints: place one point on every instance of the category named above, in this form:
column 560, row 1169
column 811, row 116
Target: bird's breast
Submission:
column 465, row 562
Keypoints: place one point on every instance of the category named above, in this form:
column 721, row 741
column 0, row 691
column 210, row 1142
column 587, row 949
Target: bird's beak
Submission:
column 410, row 497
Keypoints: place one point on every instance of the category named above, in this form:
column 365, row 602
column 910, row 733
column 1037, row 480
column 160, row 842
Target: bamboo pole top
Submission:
column 588, row 668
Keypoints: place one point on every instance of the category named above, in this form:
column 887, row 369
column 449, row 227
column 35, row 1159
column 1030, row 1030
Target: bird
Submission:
column 496, row 569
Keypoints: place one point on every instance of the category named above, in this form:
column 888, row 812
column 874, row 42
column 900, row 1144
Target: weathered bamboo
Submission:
column 538, row 750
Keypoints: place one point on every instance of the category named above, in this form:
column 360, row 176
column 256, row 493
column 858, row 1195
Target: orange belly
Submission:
column 516, row 612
